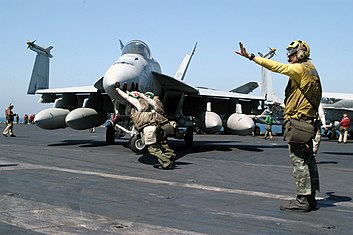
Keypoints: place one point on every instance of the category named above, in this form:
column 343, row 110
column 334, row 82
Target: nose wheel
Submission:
column 136, row 144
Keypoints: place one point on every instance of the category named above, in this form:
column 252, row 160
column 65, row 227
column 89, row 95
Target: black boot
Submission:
column 300, row 204
column 312, row 201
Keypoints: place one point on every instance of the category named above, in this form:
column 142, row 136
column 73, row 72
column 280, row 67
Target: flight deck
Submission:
column 70, row 182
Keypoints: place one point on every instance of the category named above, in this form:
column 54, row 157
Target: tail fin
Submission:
column 40, row 72
column 266, row 83
column 266, row 88
column 180, row 74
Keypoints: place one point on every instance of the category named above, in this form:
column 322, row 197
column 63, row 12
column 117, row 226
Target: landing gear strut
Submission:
column 110, row 135
column 189, row 136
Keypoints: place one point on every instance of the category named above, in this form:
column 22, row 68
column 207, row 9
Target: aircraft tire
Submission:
column 136, row 144
column 110, row 135
column 189, row 137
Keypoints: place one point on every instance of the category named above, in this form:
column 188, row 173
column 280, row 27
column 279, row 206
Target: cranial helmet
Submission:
column 300, row 48
column 149, row 94
column 135, row 94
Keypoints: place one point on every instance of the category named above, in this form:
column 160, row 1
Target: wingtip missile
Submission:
column 269, row 54
column 34, row 47
column 30, row 43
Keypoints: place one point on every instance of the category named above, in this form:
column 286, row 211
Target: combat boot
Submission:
column 312, row 201
column 300, row 204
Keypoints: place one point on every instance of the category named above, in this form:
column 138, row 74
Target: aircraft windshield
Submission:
column 137, row 47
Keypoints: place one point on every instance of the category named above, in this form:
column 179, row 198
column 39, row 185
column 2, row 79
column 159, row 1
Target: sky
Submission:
column 85, row 35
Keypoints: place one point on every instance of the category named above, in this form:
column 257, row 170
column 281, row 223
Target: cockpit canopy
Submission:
column 137, row 47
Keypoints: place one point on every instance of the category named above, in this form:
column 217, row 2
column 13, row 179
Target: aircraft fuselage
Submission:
column 133, row 68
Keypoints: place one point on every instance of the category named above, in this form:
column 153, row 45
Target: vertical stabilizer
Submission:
column 40, row 72
column 266, row 83
column 180, row 74
column 267, row 89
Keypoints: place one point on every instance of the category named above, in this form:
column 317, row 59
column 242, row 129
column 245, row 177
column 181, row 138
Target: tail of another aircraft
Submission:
column 266, row 83
column 40, row 72
column 266, row 88
column 180, row 74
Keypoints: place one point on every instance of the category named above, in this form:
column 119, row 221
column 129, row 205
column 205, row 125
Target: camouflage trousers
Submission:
column 162, row 151
column 304, row 167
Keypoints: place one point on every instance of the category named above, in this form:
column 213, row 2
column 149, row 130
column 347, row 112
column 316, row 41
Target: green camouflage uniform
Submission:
column 160, row 149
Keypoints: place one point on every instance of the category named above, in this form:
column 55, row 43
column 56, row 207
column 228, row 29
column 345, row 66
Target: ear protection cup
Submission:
column 301, row 54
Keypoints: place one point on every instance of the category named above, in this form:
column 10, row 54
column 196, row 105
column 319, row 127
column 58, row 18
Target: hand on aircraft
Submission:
column 243, row 52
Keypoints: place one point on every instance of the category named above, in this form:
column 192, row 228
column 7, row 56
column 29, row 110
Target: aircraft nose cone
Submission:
column 118, row 73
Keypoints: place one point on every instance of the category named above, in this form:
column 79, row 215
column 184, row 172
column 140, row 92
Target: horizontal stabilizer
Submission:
column 246, row 88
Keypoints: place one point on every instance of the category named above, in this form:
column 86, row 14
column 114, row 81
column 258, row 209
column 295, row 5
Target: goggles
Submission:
column 291, row 51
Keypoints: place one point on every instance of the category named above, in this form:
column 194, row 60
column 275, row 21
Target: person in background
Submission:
column 31, row 118
column 344, row 126
column 25, row 119
column 269, row 123
column 10, row 116
column 320, row 121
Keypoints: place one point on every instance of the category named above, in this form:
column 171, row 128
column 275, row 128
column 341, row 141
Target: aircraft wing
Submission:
column 49, row 95
column 83, row 89
column 170, row 83
column 335, row 95
column 225, row 94
column 246, row 88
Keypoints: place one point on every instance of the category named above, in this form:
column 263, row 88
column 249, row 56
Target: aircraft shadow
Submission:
column 85, row 143
column 222, row 146
column 339, row 153
column 178, row 146
column 326, row 162
column 332, row 199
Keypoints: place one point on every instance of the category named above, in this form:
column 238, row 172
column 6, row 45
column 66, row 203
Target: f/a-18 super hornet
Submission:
column 208, row 110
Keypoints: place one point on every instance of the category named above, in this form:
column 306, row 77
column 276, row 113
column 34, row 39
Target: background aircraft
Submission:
column 335, row 105
column 272, row 102
column 191, row 107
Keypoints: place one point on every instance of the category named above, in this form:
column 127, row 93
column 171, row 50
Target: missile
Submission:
column 34, row 47
column 52, row 118
column 269, row 54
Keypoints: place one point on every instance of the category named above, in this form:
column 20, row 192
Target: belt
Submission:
column 310, row 120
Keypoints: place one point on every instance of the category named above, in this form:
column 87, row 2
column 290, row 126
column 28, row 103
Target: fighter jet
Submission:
column 335, row 105
column 190, row 107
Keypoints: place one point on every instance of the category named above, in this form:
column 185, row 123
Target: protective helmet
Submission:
column 149, row 94
column 135, row 94
column 300, row 47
